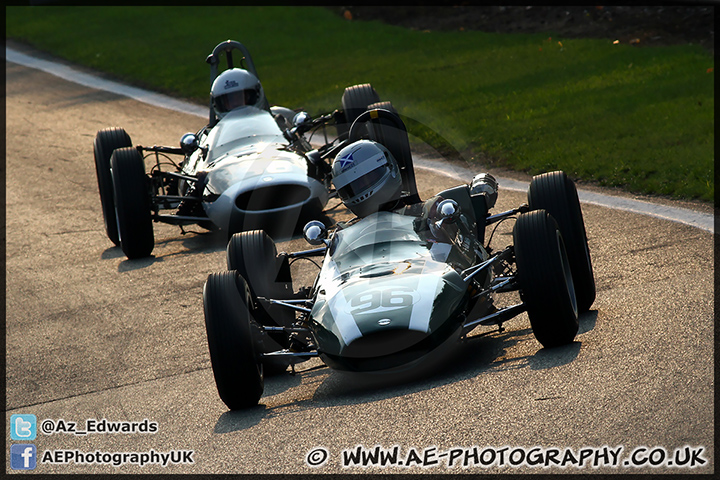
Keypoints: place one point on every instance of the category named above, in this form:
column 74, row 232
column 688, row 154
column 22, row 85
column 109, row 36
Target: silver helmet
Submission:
column 235, row 88
column 366, row 176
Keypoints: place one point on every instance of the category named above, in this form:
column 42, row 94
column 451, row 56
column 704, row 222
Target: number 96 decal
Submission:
column 383, row 300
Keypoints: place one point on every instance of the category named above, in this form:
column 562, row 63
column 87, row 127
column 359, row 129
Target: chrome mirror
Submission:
column 315, row 233
column 448, row 209
column 188, row 143
column 301, row 118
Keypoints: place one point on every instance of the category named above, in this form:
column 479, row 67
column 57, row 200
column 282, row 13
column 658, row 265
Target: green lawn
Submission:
column 637, row 117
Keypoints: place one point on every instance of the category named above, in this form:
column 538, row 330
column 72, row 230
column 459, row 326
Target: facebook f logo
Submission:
column 23, row 427
column 23, row 457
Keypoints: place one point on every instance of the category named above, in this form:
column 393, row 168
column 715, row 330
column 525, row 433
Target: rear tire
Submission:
column 106, row 142
column 229, row 324
column 384, row 105
column 132, row 203
column 254, row 255
column 355, row 100
column 556, row 193
column 546, row 283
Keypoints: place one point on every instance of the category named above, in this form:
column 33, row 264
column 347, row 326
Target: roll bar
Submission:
column 228, row 46
column 213, row 59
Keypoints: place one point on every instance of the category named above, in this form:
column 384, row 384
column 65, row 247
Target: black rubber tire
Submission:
column 229, row 323
column 556, row 193
column 384, row 105
column 355, row 100
column 106, row 142
column 254, row 255
column 132, row 202
column 545, row 278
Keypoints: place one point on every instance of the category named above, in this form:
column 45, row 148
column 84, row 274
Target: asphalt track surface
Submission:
column 92, row 335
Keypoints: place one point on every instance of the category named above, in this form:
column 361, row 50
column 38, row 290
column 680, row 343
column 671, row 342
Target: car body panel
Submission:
column 386, row 293
column 239, row 128
column 252, row 177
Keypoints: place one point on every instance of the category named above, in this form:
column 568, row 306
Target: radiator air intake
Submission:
column 271, row 197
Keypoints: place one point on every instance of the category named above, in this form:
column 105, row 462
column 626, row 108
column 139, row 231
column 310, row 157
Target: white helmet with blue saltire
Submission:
column 366, row 176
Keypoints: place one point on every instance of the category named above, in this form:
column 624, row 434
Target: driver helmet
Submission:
column 235, row 88
column 366, row 176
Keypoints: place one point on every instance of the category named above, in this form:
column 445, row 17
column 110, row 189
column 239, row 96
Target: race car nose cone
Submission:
column 383, row 342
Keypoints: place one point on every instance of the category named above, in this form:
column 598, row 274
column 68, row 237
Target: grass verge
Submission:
column 641, row 118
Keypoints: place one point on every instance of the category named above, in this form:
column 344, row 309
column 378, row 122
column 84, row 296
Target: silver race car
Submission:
column 250, row 167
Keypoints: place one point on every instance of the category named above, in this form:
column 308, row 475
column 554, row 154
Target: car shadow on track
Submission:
column 190, row 244
column 587, row 321
column 232, row 421
column 112, row 253
column 478, row 355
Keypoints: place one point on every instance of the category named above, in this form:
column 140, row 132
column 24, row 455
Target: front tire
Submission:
column 556, row 193
column 132, row 203
column 106, row 142
column 228, row 322
column 546, row 282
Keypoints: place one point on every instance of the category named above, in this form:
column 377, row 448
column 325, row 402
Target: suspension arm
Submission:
column 468, row 273
column 159, row 149
column 496, row 318
column 289, row 304
column 315, row 252
column 501, row 216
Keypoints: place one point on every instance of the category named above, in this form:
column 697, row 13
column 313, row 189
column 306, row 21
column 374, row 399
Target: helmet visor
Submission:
column 233, row 100
column 362, row 184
